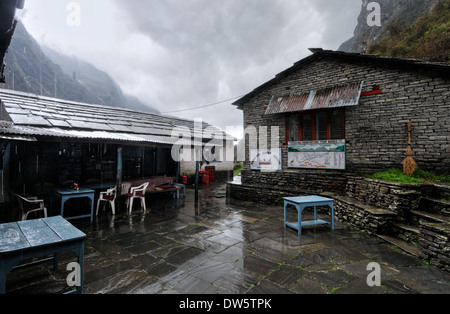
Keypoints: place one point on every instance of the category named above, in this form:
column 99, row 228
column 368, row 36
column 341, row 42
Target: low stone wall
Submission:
column 312, row 181
column 398, row 197
column 357, row 213
column 362, row 216
column 261, row 194
column 434, row 244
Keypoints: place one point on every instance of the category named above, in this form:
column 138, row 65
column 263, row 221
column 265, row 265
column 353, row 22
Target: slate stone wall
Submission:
column 372, row 219
column 434, row 244
column 400, row 198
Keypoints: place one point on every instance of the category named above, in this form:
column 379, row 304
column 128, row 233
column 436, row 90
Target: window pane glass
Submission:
column 293, row 128
column 321, row 126
column 336, row 125
column 307, row 128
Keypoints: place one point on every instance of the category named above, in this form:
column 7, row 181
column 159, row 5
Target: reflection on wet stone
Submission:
column 228, row 246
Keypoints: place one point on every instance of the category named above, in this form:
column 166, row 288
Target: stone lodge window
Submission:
column 316, row 125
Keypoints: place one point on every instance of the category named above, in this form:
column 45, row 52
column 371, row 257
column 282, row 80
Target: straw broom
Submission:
column 409, row 165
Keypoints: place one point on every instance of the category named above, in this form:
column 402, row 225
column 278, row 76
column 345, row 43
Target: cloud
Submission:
column 215, row 50
column 176, row 54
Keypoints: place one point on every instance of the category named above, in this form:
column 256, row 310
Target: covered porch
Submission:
column 40, row 169
column 51, row 144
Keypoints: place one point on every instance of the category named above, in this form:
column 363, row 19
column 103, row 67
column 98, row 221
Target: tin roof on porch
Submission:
column 32, row 115
column 332, row 97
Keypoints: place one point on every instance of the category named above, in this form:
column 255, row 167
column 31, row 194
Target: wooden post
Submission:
column 197, row 174
column 119, row 176
column 178, row 167
column 198, row 146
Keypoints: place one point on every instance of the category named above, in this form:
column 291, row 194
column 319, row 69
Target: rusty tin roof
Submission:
column 331, row 97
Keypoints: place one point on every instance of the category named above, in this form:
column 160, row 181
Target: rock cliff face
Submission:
column 31, row 68
column 405, row 11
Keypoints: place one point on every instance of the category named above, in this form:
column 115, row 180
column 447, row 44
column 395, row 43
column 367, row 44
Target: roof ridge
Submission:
column 66, row 101
column 28, row 109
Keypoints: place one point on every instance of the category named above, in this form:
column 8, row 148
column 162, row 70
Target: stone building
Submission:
column 340, row 113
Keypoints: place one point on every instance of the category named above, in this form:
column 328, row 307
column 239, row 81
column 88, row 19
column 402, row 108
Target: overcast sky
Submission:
column 180, row 54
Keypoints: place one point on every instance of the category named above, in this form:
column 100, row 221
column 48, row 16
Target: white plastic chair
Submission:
column 108, row 196
column 126, row 188
column 30, row 205
column 137, row 192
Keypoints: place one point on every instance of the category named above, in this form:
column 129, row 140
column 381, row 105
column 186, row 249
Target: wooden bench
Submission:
column 154, row 182
column 156, row 185
column 169, row 188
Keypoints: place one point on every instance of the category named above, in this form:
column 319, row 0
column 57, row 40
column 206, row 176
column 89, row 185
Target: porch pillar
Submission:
column 119, row 176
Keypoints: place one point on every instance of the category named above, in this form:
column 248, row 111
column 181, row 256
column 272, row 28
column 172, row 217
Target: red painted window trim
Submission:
column 313, row 124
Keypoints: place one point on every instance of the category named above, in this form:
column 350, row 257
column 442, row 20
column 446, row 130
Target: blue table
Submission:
column 67, row 194
column 24, row 240
column 181, row 186
column 302, row 202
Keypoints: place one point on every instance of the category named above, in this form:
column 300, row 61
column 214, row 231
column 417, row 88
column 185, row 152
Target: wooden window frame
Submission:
column 313, row 115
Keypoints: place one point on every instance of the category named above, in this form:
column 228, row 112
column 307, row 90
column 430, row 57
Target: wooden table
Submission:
column 182, row 187
column 67, row 194
column 24, row 240
column 302, row 202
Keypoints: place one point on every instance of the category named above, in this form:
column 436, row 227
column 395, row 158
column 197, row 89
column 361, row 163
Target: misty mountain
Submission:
column 404, row 12
column 34, row 69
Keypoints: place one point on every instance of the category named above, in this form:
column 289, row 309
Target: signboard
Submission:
column 265, row 159
column 317, row 154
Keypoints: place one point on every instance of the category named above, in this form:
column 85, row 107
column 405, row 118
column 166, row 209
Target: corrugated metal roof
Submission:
column 29, row 114
column 332, row 97
column 18, row 137
column 30, row 131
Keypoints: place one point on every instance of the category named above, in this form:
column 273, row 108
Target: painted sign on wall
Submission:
column 317, row 154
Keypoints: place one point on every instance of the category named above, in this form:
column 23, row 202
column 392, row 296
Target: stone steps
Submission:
column 434, row 243
column 419, row 232
column 433, row 205
column 423, row 232
column 406, row 232
column 366, row 217
column 405, row 246
column 428, row 216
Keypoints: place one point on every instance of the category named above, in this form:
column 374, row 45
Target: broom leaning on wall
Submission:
column 409, row 165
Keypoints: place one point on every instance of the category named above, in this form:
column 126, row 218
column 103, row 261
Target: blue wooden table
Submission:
column 24, row 240
column 181, row 187
column 67, row 194
column 302, row 202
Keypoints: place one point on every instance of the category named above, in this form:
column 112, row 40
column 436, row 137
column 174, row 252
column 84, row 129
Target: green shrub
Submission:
column 419, row 176
column 395, row 175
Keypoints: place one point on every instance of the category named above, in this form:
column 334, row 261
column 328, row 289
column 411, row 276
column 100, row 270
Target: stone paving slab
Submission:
column 222, row 246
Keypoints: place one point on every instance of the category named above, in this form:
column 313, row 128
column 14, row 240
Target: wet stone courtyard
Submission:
column 223, row 246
